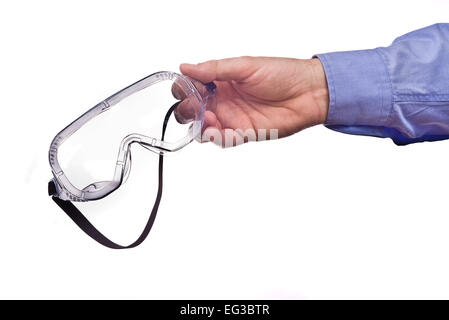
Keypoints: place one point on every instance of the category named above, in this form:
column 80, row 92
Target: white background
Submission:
column 316, row 215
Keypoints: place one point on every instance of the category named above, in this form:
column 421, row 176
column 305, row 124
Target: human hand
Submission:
column 255, row 93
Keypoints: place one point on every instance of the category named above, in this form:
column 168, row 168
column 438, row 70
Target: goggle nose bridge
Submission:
column 123, row 165
column 150, row 143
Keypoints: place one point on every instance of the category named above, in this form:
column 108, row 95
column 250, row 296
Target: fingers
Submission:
column 189, row 108
column 210, row 120
column 187, row 111
column 184, row 114
column 221, row 70
column 177, row 92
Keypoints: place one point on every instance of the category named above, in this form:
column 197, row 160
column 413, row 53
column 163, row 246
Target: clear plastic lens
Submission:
column 90, row 154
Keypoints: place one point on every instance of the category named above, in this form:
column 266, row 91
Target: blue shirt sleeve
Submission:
column 400, row 92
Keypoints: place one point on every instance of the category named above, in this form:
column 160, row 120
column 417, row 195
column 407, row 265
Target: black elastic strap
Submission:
column 85, row 225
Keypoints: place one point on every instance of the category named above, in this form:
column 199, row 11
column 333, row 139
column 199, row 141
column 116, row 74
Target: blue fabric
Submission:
column 400, row 91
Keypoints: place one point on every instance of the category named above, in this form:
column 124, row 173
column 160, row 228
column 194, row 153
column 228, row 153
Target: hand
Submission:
column 255, row 93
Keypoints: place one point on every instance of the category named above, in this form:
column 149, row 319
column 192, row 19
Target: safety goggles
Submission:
column 91, row 157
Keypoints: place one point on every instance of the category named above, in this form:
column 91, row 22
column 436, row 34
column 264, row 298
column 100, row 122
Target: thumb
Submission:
column 221, row 70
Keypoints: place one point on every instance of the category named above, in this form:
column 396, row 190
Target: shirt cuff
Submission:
column 359, row 88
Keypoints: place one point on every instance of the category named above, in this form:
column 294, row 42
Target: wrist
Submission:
column 319, row 89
